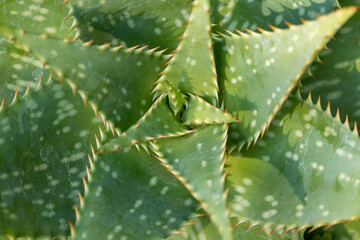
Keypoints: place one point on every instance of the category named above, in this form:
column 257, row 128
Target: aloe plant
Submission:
column 204, row 119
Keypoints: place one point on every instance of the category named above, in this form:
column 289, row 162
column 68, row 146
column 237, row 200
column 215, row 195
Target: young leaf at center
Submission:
column 192, row 66
column 158, row 122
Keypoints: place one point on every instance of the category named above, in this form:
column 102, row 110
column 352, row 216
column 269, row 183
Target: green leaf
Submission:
column 192, row 72
column 176, row 98
column 337, row 77
column 40, row 16
column 158, row 122
column 197, row 161
column 18, row 68
column 17, row 71
column 130, row 195
column 40, row 173
column 91, row 70
column 310, row 176
column 203, row 229
column 242, row 14
column 201, row 112
column 144, row 22
column 254, row 71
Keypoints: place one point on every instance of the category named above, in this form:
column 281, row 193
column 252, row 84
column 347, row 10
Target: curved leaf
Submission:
column 130, row 195
column 254, row 71
column 337, row 77
column 91, row 70
column 312, row 168
column 40, row 177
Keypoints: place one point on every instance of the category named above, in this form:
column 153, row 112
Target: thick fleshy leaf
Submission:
column 40, row 178
column 17, row 71
column 177, row 100
column 258, row 72
column 18, row 68
column 41, row 17
column 337, row 77
column 243, row 14
column 197, row 160
column 132, row 196
column 192, row 66
column 144, row 22
column 158, row 122
column 311, row 169
column 201, row 112
column 201, row 228
column 106, row 77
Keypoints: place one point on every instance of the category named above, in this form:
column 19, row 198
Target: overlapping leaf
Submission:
column 158, row 122
column 311, row 169
column 40, row 173
column 254, row 71
column 337, row 77
column 199, row 112
column 197, row 161
column 131, row 195
column 242, row 14
column 107, row 77
column 192, row 67
column 177, row 100
column 144, row 22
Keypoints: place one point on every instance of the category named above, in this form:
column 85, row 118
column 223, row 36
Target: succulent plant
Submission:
column 181, row 119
